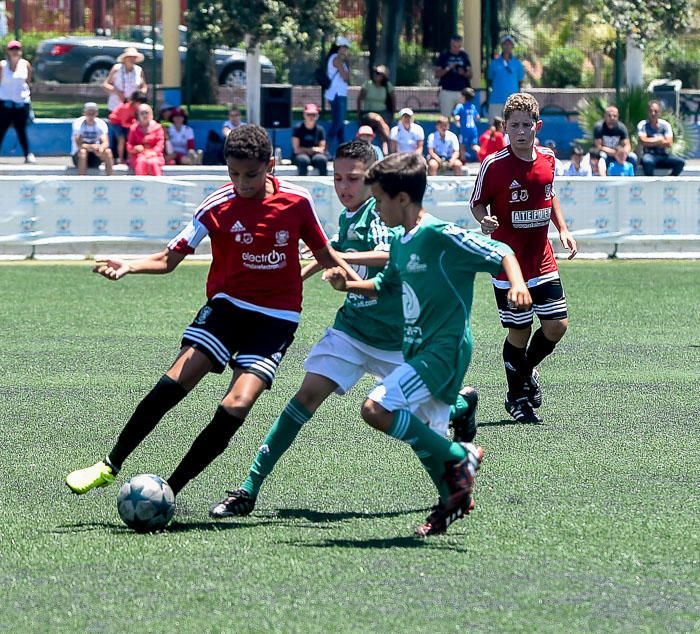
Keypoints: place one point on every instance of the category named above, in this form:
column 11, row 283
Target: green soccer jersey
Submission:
column 434, row 267
column 374, row 322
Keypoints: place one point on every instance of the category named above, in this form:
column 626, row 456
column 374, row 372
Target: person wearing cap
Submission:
column 338, row 72
column 15, row 96
column 453, row 69
column 376, row 104
column 309, row 143
column 505, row 75
column 179, row 140
column 125, row 77
column 90, row 141
column 366, row 134
column 407, row 135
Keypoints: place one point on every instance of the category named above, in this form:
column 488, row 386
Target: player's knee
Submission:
column 371, row 413
column 308, row 399
column 555, row 329
column 237, row 405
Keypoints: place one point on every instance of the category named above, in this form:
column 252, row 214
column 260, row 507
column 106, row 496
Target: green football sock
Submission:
column 280, row 437
column 460, row 407
column 432, row 449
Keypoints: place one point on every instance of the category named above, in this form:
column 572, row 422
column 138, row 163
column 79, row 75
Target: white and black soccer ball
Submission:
column 146, row 503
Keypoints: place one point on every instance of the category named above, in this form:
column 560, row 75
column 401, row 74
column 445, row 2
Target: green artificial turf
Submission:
column 588, row 522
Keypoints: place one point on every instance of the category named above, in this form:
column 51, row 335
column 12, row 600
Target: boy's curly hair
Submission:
column 523, row 102
column 249, row 141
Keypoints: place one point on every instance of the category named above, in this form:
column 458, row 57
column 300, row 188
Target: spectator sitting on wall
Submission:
column 492, row 139
column 466, row 116
column 366, row 134
column 122, row 118
column 443, row 149
column 454, row 71
column 656, row 137
column 621, row 166
column 234, row 121
column 146, row 144
column 179, row 140
column 309, row 143
column 90, row 141
column 609, row 132
column 506, row 74
column 407, row 135
column 580, row 164
column 376, row 104
column 599, row 166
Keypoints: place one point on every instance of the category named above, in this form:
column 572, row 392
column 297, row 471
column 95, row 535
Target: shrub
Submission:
column 563, row 68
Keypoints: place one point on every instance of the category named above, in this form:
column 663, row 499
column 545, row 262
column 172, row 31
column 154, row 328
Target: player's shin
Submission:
column 539, row 348
column 280, row 437
column 166, row 394
column 516, row 371
column 210, row 443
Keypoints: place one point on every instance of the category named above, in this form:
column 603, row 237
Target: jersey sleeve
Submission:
column 311, row 232
column 388, row 278
column 482, row 192
column 472, row 251
column 189, row 238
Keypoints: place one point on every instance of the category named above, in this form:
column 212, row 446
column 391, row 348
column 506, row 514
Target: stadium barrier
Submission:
column 53, row 215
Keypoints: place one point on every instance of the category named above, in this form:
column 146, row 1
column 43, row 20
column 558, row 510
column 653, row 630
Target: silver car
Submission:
column 88, row 59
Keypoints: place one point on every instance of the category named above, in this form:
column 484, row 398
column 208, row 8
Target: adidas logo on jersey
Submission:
column 515, row 184
column 237, row 227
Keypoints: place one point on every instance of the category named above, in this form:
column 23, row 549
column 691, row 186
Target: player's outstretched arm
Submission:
column 518, row 294
column 567, row 240
column 488, row 223
column 337, row 277
column 329, row 258
column 366, row 258
column 162, row 262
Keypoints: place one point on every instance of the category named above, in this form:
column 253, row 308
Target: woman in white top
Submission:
column 15, row 100
column 338, row 71
column 124, row 78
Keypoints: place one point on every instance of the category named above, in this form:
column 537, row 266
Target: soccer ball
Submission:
column 146, row 503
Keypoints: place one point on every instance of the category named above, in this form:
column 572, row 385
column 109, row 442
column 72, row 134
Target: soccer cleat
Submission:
column 237, row 503
column 521, row 410
column 460, row 478
column 82, row 480
column 533, row 389
column 464, row 426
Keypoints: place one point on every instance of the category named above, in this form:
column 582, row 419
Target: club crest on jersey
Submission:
column 351, row 234
column 202, row 315
column 411, row 305
column 548, row 191
column 237, row 227
column 244, row 238
column 414, row 265
column 519, row 195
column 515, row 184
column 282, row 238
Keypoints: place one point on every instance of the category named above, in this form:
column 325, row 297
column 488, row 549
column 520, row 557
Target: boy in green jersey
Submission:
column 364, row 338
column 433, row 264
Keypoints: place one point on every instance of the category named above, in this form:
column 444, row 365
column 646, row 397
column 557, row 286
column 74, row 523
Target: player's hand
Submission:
column 489, row 224
column 111, row 269
column 569, row 243
column 337, row 277
column 519, row 296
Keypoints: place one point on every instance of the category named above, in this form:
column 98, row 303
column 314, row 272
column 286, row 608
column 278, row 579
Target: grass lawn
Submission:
column 588, row 522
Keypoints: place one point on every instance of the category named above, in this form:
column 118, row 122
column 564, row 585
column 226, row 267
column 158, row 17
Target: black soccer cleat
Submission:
column 464, row 426
column 238, row 503
column 521, row 410
column 533, row 389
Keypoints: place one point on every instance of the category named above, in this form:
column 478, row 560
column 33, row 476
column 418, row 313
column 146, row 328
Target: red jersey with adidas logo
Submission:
column 255, row 246
column 519, row 193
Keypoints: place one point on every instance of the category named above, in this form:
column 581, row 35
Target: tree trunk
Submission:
column 252, row 74
column 369, row 34
column 392, row 21
column 77, row 14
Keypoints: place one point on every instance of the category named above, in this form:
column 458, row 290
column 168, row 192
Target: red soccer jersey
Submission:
column 520, row 194
column 255, row 246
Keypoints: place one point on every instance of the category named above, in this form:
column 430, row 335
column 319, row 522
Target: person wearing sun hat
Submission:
column 125, row 77
column 338, row 72
column 15, row 96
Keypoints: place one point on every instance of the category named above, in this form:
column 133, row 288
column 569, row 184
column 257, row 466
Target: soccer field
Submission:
column 589, row 522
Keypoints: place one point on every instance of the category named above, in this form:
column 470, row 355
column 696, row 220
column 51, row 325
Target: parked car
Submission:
column 87, row 59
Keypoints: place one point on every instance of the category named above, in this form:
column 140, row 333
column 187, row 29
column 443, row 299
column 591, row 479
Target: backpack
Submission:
column 322, row 78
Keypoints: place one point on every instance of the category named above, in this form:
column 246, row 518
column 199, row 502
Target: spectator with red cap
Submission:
column 15, row 96
column 179, row 140
column 366, row 134
column 309, row 143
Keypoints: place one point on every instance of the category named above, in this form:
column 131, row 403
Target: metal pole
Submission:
column 188, row 74
column 154, row 64
column 618, row 66
column 18, row 19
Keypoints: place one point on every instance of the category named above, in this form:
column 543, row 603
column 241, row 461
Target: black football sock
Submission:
column 166, row 394
column 212, row 442
column 514, row 362
column 539, row 348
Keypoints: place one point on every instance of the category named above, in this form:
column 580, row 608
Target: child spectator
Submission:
column 621, row 166
column 443, row 149
column 234, row 121
column 580, row 164
column 122, row 118
column 180, row 140
column 598, row 163
column 366, row 134
column 90, row 141
column 492, row 140
column 465, row 116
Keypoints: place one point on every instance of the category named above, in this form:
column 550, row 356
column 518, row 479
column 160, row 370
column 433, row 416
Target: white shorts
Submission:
column 404, row 389
column 344, row 360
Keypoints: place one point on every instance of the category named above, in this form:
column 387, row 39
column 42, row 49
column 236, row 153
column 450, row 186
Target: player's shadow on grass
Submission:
column 407, row 541
column 504, row 422
column 175, row 527
column 321, row 517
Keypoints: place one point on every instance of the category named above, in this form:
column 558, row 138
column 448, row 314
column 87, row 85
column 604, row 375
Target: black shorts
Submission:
column 240, row 338
column 548, row 302
column 92, row 159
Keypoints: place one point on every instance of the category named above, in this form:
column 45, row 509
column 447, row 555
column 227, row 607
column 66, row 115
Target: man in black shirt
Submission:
column 611, row 132
column 454, row 70
column 309, row 143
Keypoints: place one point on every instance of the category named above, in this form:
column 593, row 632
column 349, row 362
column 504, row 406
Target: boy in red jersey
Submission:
column 253, row 303
column 516, row 184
